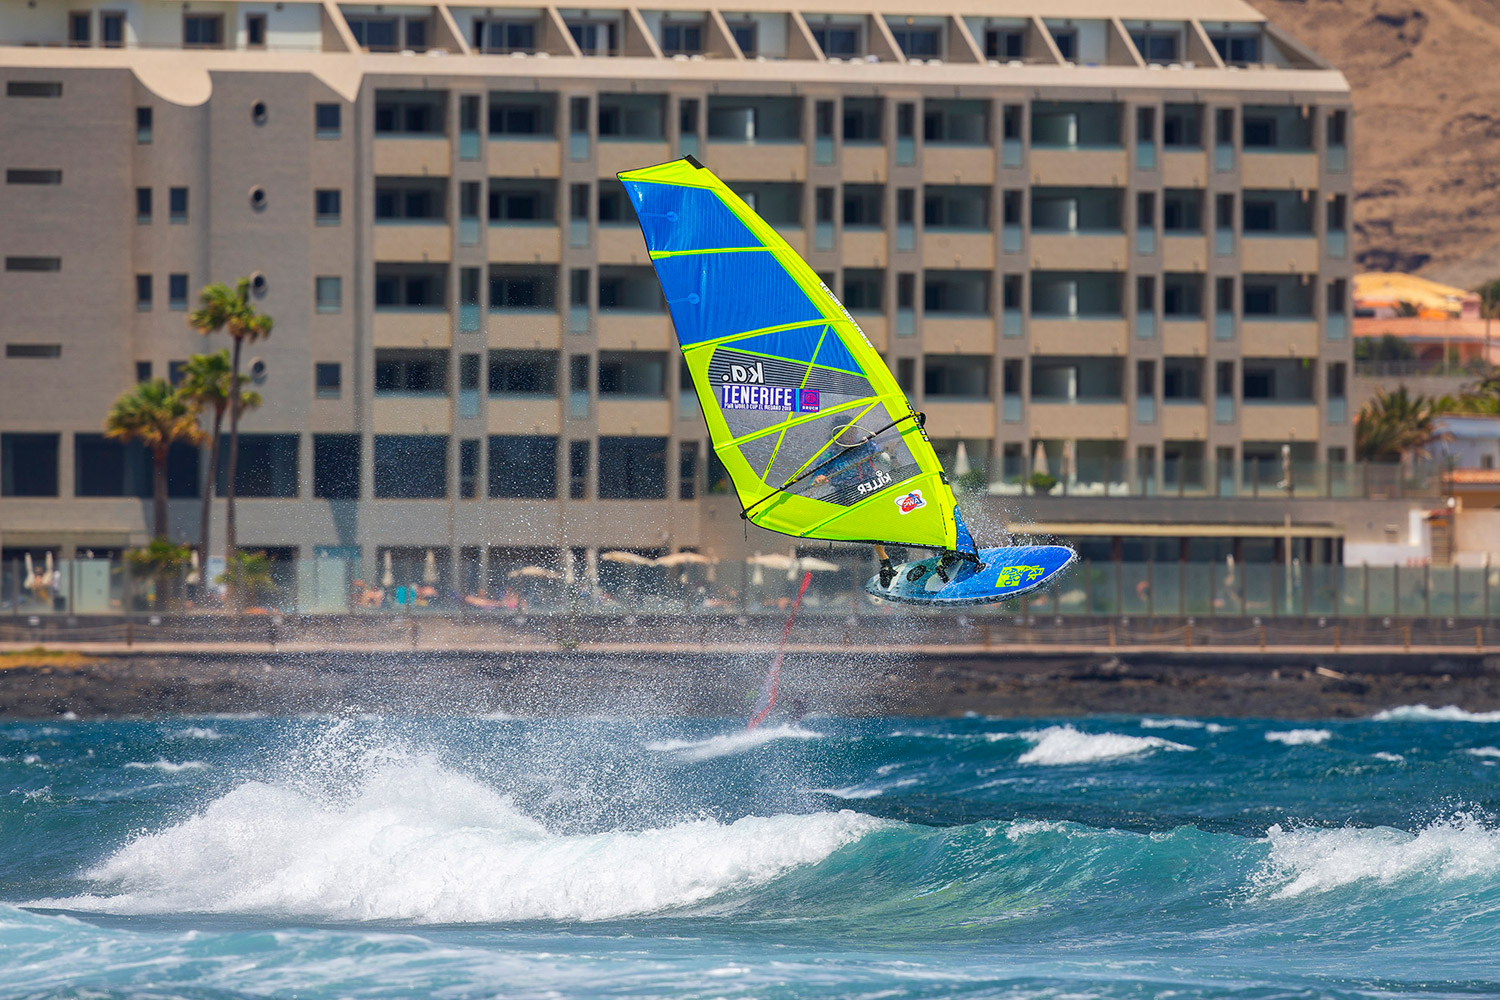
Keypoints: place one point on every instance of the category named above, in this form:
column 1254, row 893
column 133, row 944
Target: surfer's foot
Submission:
column 887, row 573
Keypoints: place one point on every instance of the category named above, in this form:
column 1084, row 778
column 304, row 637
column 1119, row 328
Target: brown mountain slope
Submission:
column 1426, row 83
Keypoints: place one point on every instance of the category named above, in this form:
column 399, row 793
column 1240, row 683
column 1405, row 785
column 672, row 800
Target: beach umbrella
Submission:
column 387, row 579
column 961, row 460
column 628, row 558
column 535, row 573
column 684, row 559
column 429, row 568
column 194, row 572
column 30, row 581
column 1067, row 470
column 773, row 560
column 1039, row 461
column 810, row 564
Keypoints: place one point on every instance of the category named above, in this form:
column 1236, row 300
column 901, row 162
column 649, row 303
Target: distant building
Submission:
column 1114, row 234
column 1440, row 324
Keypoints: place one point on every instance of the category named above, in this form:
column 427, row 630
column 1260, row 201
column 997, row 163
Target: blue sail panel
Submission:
column 676, row 218
column 714, row 295
column 799, row 345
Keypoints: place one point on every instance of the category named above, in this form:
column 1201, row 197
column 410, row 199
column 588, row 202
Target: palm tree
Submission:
column 1394, row 425
column 156, row 415
column 223, row 308
column 206, row 379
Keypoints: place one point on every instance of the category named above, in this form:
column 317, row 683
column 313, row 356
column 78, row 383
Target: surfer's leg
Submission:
column 887, row 571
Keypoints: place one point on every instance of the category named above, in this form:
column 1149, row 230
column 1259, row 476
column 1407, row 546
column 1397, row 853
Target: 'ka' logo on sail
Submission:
column 910, row 502
column 1014, row 576
column 746, row 374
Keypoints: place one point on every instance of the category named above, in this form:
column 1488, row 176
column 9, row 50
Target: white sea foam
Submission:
column 1026, row 827
column 1066, row 745
column 732, row 743
column 1207, row 727
column 1394, row 758
column 1312, row 860
column 1484, row 752
column 171, row 767
column 1300, row 737
column 867, row 791
column 198, row 733
column 415, row 842
column 1423, row 713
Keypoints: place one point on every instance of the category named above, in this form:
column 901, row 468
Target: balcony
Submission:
column 959, row 334
column 864, row 164
column 417, row 240
column 1184, row 169
column 1186, row 337
column 622, row 244
column 1098, row 419
column 418, row 326
column 1184, row 421
column 1079, row 167
column 960, row 419
column 615, row 155
column 412, row 414
column 412, row 154
column 1184, row 253
column 958, row 165
column 1264, row 337
column 1272, row 252
column 525, row 415
column 958, row 248
column 523, row 156
column 619, row 415
column 1280, row 169
column 536, row 328
column 1272, row 420
column 862, row 247
column 1081, row 335
column 769, row 160
column 1051, row 251
column 525, row 244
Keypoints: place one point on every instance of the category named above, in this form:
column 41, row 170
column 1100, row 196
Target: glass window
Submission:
column 330, row 291
column 328, row 377
column 328, row 121
column 523, row 466
column 177, row 204
column 837, row 41
column 143, row 125
column 523, row 373
column 177, row 291
column 202, row 30
column 411, row 466
column 468, row 469
column 578, row 470
column 80, row 28
column 143, row 293
column 326, row 206
column 1067, row 44
column 336, row 466
column 143, row 205
column 1004, row 43
column 681, row 39
column 255, row 31
column 28, row 465
column 267, row 466
column 746, row 37
column 632, row 468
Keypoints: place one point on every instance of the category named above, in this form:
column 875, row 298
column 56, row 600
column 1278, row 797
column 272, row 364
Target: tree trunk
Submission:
column 209, row 482
column 159, row 490
column 234, row 461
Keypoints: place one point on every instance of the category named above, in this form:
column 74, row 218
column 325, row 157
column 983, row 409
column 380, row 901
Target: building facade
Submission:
column 1111, row 238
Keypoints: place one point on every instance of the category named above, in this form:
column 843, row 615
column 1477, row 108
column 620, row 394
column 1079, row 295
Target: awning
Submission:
column 1097, row 528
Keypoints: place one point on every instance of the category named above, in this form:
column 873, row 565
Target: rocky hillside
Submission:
column 1426, row 82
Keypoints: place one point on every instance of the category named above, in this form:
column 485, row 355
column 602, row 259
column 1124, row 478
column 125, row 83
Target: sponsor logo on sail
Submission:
column 745, row 374
column 910, row 502
column 768, row 397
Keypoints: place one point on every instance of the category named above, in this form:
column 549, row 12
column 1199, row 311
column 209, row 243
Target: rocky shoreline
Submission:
column 1017, row 684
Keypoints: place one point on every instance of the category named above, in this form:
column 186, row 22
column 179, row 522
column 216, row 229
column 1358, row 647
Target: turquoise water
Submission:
column 1063, row 858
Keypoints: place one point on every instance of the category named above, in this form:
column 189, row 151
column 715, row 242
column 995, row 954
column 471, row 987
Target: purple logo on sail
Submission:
column 768, row 397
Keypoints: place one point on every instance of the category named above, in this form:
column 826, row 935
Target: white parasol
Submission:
column 1039, row 461
column 685, row 558
column 387, row 579
column 628, row 558
column 429, row 569
column 535, row 573
column 961, row 460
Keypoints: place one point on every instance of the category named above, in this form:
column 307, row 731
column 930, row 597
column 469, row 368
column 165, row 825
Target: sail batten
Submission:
column 815, row 434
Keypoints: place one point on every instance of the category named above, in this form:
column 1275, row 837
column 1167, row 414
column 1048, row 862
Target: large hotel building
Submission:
column 1112, row 237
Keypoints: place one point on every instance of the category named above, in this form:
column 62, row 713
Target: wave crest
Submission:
column 1066, row 745
column 419, row 843
column 1310, row 860
column 1424, row 713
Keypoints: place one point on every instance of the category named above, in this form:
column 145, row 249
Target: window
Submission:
column 143, row 125
column 523, row 373
column 177, row 204
column 578, row 470
column 80, row 28
column 33, row 350
column 174, row 372
column 1004, row 43
column 177, row 291
column 327, row 121
column 515, row 288
column 468, row 469
column 411, row 466
column 411, row 371
column 1182, row 379
column 595, row 38
column 505, row 36
column 1260, row 216
column 1182, row 126
column 336, row 466
column 1067, row 44
column 377, row 34
column 112, row 29
column 143, row 294
column 32, row 88
column 906, row 375
column 864, row 290
column 1182, row 210
column 143, row 206
column 33, row 177
column 326, row 206
column 681, row 39
column 837, row 41
column 33, row 263
column 416, row 34
column 28, row 465
column 919, row 43
column 1260, row 131
column 687, row 470
column 632, row 468
column 328, row 378
column 143, row 371
column 267, row 466
column 523, row 466
column 330, row 292
column 202, row 30
column 638, row 374
column 1156, row 46
column 1237, row 50
column 255, row 31
column 1260, row 300
column 746, row 37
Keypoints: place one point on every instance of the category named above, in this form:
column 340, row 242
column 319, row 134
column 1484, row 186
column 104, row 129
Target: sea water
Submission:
column 1114, row 856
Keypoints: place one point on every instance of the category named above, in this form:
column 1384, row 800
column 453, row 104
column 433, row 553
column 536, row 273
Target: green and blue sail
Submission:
column 817, row 437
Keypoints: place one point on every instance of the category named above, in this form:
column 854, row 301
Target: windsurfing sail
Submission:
column 815, row 433
column 772, row 685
